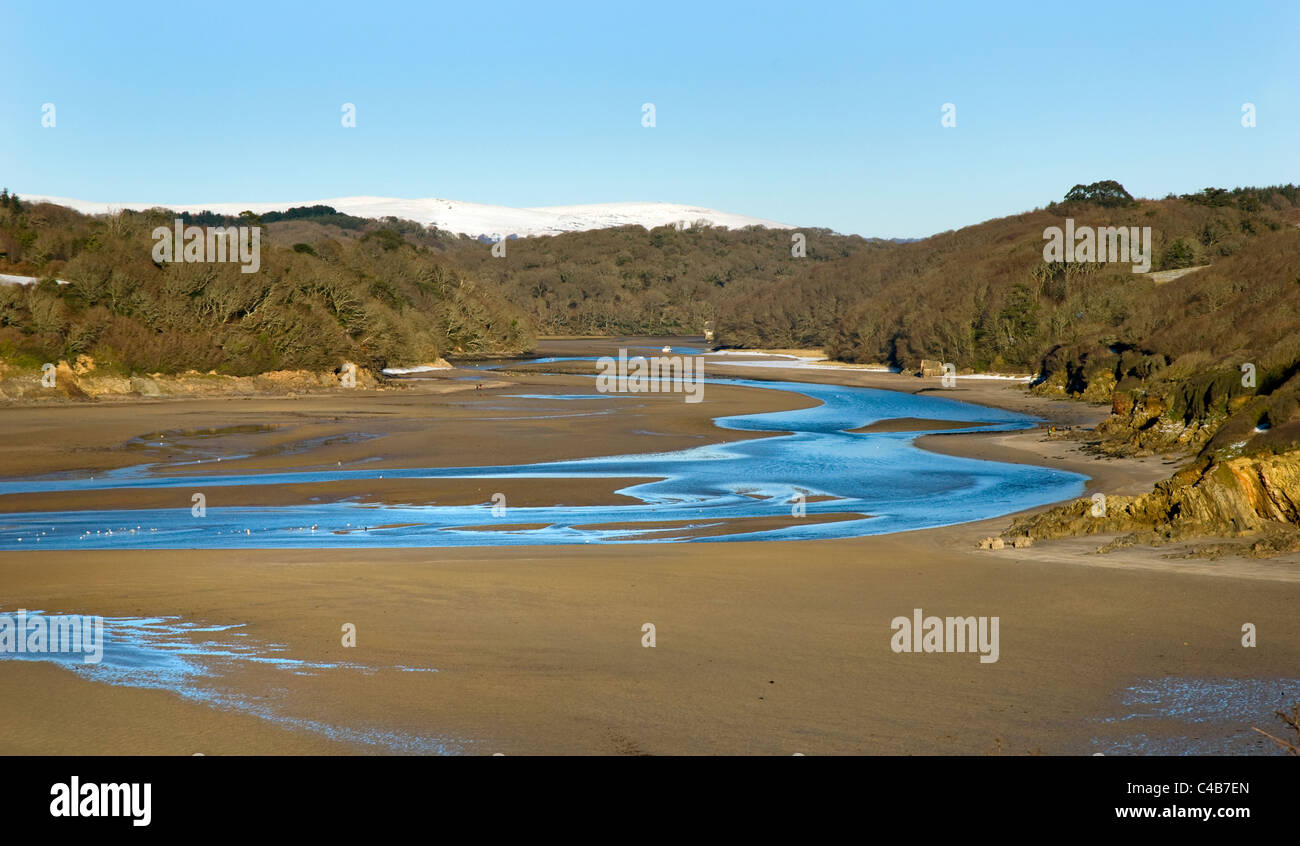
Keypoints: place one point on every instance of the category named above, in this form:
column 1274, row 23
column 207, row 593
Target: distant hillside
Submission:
column 1200, row 356
column 457, row 217
column 662, row 281
column 376, row 301
column 984, row 298
column 1203, row 361
column 981, row 297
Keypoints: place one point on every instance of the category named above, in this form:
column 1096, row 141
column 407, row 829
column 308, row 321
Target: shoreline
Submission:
column 764, row 647
column 1026, row 447
column 299, row 478
column 278, row 446
column 1111, row 475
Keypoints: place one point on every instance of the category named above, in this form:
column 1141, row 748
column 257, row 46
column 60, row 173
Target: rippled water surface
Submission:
column 877, row 482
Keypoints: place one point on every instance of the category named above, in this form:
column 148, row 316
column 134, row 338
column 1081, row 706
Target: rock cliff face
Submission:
column 80, row 382
column 1209, row 498
column 1142, row 423
column 1238, row 420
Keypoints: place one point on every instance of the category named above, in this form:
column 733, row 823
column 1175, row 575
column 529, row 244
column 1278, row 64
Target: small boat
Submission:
column 666, row 349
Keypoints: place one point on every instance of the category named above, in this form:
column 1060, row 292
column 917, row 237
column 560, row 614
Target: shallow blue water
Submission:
column 885, row 480
column 194, row 661
column 166, row 652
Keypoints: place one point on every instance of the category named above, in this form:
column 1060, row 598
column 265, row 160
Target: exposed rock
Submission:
column 1141, row 424
column 83, row 382
column 144, row 386
column 65, row 382
column 438, row 364
column 1099, row 388
column 930, row 368
column 1219, row 498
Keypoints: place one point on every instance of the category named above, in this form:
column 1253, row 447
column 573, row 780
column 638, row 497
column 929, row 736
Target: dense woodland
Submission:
column 981, row 297
column 629, row 280
column 374, row 300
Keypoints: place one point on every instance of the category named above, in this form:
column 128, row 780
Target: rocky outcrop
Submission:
column 930, row 368
column 1211, row 498
column 1142, row 423
column 65, row 382
column 998, row 543
column 81, row 382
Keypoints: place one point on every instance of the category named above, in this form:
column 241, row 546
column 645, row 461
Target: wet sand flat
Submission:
column 761, row 648
column 414, row 425
column 775, row 647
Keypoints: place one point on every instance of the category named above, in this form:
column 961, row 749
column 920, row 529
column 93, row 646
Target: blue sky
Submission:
column 816, row 115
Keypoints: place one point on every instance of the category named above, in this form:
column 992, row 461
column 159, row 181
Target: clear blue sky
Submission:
column 817, row 115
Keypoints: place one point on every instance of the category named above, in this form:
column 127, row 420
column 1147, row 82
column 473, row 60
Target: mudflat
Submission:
column 759, row 647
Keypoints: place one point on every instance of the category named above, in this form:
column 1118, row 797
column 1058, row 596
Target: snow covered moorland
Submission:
column 468, row 218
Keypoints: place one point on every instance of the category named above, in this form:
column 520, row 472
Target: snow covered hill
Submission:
column 469, row 218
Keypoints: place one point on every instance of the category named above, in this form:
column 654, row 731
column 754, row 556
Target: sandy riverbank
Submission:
column 761, row 647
